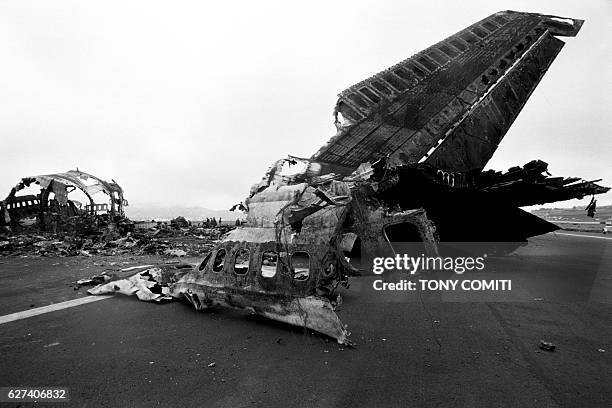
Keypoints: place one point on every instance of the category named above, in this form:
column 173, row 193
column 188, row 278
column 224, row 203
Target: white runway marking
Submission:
column 584, row 236
column 131, row 268
column 51, row 308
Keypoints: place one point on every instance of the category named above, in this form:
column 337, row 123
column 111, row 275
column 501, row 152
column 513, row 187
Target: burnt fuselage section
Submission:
column 49, row 202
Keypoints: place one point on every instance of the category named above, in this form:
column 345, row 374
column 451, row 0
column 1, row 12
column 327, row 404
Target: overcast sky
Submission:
column 188, row 103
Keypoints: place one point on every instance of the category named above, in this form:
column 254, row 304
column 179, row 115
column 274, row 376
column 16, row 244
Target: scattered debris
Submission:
column 95, row 280
column 158, row 240
column 179, row 222
column 544, row 345
column 152, row 284
column 175, row 252
column 601, row 350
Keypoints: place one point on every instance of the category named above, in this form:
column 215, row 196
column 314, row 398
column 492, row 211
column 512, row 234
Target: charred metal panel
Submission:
column 371, row 216
column 478, row 198
column 432, row 92
column 472, row 143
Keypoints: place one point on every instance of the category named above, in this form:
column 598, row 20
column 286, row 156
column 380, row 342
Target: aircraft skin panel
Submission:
column 431, row 92
column 473, row 142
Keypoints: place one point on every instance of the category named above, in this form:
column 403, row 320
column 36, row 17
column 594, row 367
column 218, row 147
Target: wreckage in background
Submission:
column 76, row 213
column 406, row 165
column 47, row 203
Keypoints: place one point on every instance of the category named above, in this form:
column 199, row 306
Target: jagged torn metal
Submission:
column 167, row 284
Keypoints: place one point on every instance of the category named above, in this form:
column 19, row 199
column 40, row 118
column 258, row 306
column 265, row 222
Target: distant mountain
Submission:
column 159, row 213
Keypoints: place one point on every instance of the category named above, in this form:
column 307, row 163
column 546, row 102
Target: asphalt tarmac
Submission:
column 435, row 349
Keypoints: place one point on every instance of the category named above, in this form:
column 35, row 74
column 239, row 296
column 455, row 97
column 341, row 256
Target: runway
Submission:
column 432, row 350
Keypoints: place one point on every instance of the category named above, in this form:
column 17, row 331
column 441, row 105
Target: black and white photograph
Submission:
column 306, row 204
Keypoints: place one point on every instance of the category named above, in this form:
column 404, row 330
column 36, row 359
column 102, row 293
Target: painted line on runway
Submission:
column 580, row 235
column 51, row 308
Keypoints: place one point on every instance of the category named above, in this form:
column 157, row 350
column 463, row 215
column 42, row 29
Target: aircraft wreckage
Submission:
column 411, row 140
column 46, row 203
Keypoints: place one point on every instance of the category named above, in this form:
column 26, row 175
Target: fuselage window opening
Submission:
column 219, row 261
column 241, row 262
column 300, row 261
column 269, row 263
column 204, row 262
